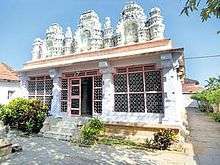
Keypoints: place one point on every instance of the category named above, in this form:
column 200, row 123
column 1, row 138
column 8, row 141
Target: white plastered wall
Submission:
column 108, row 113
column 6, row 86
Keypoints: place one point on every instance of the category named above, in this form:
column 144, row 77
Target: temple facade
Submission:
column 127, row 74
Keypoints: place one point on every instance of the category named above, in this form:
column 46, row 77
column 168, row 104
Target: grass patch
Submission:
column 116, row 141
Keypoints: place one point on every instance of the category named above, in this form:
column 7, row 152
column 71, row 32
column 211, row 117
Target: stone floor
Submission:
column 205, row 136
column 39, row 150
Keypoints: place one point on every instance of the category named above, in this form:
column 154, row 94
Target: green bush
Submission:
column 90, row 131
column 161, row 140
column 26, row 115
column 209, row 96
column 215, row 116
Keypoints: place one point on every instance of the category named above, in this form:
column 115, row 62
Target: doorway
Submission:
column 86, row 96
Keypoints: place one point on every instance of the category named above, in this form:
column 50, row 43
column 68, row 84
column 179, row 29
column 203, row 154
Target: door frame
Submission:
column 70, row 97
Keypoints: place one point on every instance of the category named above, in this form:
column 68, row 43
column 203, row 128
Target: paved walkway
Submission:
column 38, row 150
column 205, row 136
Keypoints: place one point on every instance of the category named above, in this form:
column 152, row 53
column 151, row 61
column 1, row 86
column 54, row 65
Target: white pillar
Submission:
column 56, row 101
column 107, row 89
column 24, row 85
column 170, row 85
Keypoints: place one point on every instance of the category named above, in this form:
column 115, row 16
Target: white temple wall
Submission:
column 80, row 67
column 142, row 59
column 172, row 94
column 39, row 72
column 5, row 88
column 173, row 111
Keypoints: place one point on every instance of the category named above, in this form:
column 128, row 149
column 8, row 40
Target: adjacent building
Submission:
column 129, row 75
column 9, row 83
column 190, row 87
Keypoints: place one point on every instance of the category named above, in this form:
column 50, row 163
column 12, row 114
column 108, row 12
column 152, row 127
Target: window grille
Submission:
column 98, row 81
column 139, row 89
column 154, row 102
column 137, row 102
column 31, row 87
column 120, row 82
column 98, row 106
column 41, row 88
column 64, row 95
column 136, row 82
column 121, row 103
column 97, row 94
column 153, row 81
column 48, row 87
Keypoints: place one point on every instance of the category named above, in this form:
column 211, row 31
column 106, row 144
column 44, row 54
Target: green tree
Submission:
column 213, row 83
column 208, row 8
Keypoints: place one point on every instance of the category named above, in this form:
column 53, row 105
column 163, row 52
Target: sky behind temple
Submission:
column 21, row 21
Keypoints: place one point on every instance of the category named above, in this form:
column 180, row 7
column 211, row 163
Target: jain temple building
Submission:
column 130, row 76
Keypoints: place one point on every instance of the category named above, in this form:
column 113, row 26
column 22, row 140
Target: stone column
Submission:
column 23, row 85
column 170, row 85
column 56, row 101
column 107, row 89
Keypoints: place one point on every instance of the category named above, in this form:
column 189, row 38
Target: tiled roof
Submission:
column 191, row 86
column 7, row 73
column 191, row 81
column 188, row 88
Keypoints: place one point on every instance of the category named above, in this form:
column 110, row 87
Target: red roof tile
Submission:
column 191, row 88
column 7, row 73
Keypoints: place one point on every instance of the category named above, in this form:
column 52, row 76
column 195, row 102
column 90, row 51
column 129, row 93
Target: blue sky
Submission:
column 21, row 21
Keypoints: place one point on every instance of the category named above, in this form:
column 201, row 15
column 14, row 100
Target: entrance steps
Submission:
column 64, row 128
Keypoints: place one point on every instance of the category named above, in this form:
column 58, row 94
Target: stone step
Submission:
column 64, row 131
column 63, row 128
column 57, row 136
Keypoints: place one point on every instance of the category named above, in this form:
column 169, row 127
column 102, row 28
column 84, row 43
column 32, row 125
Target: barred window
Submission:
column 64, row 95
column 138, row 89
column 97, row 94
column 41, row 88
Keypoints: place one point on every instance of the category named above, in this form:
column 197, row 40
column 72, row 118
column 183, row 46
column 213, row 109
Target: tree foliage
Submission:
column 209, row 8
column 211, row 94
column 213, row 83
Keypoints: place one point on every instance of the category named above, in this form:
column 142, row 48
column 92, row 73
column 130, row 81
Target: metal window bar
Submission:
column 156, row 93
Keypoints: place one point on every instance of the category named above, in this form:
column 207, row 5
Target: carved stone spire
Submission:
column 44, row 49
column 88, row 35
column 54, row 39
column 68, row 41
column 131, row 26
column 108, row 33
column 156, row 25
column 37, row 49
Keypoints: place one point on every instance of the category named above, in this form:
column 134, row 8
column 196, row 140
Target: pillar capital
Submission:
column 105, row 67
column 54, row 73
